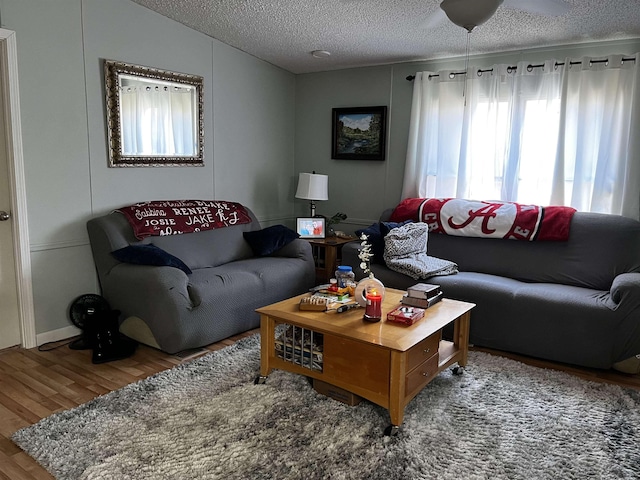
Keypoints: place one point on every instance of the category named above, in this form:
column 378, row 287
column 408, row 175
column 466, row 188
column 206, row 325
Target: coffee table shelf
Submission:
column 300, row 346
column 384, row 362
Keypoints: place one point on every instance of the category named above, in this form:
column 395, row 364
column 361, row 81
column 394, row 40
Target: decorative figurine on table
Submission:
column 369, row 291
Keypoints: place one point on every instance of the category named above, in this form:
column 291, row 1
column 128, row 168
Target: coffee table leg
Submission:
column 461, row 337
column 267, row 346
column 396, row 392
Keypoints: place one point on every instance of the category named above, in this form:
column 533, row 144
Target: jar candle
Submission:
column 373, row 309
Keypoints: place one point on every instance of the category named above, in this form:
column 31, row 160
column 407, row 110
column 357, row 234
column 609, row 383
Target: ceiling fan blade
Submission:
column 552, row 8
column 435, row 19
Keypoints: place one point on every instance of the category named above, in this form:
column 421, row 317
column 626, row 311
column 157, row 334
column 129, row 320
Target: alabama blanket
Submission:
column 488, row 219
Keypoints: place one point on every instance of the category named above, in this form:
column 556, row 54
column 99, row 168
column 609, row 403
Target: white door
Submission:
column 9, row 316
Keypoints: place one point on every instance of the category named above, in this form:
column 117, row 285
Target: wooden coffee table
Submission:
column 386, row 363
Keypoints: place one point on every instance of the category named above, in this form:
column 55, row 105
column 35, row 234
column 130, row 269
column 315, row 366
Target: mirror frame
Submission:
column 112, row 72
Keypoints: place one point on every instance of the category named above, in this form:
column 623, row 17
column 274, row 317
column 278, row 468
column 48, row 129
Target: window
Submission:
column 556, row 134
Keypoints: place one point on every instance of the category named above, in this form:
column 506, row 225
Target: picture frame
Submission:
column 359, row 133
column 311, row 227
column 133, row 142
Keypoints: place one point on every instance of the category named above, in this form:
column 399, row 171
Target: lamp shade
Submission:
column 313, row 186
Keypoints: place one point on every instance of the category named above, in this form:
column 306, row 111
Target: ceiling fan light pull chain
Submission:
column 466, row 68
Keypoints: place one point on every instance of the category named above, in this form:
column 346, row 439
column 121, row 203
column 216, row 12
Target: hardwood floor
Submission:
column 35, row 384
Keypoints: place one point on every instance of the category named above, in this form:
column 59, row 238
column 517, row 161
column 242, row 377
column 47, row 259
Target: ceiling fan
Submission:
column 468, row 14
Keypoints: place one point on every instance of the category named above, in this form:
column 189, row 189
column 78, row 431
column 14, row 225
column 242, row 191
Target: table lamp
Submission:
column 313, row 186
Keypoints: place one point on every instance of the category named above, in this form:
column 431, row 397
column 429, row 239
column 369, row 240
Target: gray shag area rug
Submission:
column 206, row 419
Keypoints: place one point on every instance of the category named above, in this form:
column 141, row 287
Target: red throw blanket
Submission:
column 494, row 219
column 172, row 217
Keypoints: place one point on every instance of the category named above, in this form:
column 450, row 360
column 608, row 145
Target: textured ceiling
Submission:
column 373, row 32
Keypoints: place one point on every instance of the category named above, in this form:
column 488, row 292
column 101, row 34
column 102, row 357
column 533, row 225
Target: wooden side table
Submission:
column 326, row 252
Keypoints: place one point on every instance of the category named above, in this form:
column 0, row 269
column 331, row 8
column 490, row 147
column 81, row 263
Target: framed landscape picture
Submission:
column 311, row 227
column 359, row 133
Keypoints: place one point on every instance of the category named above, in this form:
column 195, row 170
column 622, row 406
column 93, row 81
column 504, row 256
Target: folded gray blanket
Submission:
column 405, row 251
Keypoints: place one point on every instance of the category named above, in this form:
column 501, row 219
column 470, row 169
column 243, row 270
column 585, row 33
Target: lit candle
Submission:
column 373, row 310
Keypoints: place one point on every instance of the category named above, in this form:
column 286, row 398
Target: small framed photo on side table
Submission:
column 311, row 227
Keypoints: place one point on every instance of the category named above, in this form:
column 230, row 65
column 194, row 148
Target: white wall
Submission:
column 249, row 113
column 254, row 113
column 362, row 189
column 356, row 187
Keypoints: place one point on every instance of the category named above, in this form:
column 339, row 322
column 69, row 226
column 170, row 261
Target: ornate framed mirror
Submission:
column 154, row 117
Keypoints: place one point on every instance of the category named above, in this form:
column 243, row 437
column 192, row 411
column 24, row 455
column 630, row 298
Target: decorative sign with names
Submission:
column 174, row 217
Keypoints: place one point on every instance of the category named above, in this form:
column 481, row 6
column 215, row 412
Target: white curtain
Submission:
column 558, row 133
column 157, row 121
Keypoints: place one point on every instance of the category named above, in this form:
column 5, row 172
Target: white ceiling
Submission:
column 374, row 32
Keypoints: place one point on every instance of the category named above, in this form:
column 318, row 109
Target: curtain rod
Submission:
column 513, row 68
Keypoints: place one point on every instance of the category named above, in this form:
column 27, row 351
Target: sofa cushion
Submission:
column 209, row 248
column 269, row 240
column 149, row 254
column 599, row 248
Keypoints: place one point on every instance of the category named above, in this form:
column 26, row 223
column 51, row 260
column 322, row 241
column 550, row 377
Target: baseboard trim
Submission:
column 41, row 247
column 57, row 335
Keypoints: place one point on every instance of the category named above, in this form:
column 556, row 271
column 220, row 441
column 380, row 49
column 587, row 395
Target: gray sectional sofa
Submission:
column 575, row 302
column 170, row 309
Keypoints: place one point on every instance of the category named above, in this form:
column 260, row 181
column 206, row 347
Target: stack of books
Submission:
column 422, row 295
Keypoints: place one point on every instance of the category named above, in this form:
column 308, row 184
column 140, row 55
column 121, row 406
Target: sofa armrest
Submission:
column 159, row 296
column 298, row 248
column 624, row 287
column 136, row 288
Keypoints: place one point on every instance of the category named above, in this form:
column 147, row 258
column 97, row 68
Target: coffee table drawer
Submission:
column 421, row 375
column 423, row 350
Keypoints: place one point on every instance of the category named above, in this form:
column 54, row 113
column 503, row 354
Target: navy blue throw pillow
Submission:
column 386, row 227
column 149, row 255
column 268, row 240
column 375, row 237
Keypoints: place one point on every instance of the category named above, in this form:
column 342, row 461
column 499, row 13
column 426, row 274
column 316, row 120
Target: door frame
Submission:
column 17, row 188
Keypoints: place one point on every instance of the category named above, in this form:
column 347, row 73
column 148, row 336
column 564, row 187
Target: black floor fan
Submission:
column 92, row 314
column 83, row 310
